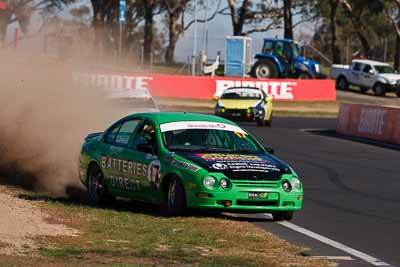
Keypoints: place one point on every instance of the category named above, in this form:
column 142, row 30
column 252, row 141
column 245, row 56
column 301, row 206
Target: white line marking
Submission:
column 349, row 250
column 334, row 258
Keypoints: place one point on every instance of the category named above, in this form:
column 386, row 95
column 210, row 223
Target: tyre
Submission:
column 282, row 216
column 176, row 200
column 363, row 90
column 96, row 188
column 379, row 89
column 265, row 69
column 268, row 123
column 341, row 83
column 260, row 122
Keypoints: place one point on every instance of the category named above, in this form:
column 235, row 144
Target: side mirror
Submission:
column 269, row 149
column 146, row 148
column 371, row 71
column 268, row 99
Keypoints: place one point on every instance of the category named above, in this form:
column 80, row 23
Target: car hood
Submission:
column 260, row 166
column 238, row 103
column 390, row 76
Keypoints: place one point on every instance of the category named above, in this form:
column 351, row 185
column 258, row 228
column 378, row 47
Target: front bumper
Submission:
column 240, row 114
column 238, row 198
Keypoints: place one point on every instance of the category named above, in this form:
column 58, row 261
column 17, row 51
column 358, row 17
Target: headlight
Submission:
column 219, row 109
column 296, row 184
column 317, row 68
column 209, row 182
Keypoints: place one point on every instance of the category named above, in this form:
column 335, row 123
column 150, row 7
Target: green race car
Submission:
column 188, row 160
column 245, row 104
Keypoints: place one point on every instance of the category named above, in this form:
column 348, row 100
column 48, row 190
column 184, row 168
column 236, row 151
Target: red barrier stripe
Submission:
column 370, row 121
column 3, row 5
column 179, row 86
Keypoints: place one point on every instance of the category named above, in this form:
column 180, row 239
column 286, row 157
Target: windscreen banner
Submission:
column 202, row 87
column 369, row 121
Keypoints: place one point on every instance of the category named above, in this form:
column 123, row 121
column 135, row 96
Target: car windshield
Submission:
column 208, row 137
column 384, row 69
column 241, row 94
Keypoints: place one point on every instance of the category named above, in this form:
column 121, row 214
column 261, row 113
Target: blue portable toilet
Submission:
column 237, row 56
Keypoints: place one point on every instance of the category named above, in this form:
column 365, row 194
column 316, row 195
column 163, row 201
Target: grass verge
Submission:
column 280, row 108
column 135, row 234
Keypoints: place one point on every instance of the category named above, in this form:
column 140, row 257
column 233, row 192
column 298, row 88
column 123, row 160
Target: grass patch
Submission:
column 135, row 234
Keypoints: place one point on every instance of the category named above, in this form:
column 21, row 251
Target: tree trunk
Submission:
column 397, row 54
column 239, row 19
column 358, row 27
column 287, row 19
column 334, row 48
column 173, row 37
column 4, row 19
column 148, row 29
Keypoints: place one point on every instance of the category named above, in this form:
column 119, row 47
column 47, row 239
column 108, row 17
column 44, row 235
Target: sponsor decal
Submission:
column 238, row 163
column 129, row 170
column 154, row 175
column 125, row 183
column 278, row 89
column 372, row 121
column 183, row 125
column 184, row 165
column 219, row 166
column 112, row 81
column 225, row 157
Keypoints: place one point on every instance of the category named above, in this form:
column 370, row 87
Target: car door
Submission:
column 367, row 76
column 146, row 165
column 114, row 161
column 355, row 73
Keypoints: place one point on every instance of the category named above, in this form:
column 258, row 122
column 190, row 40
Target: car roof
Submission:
column 243, row 87
column 370, row 62
column 165, row 117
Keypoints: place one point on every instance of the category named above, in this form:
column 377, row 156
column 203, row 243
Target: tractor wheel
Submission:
column 265, row 69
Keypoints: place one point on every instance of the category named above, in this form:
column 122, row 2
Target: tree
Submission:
column 174, row 10
column 149, row 13
column 336, row 58
column 22, row 11
column 258, row 17
column 358, row 26
column 287, row 19
column 392, row 12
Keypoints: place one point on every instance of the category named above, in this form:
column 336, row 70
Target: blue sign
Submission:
column 122, row 11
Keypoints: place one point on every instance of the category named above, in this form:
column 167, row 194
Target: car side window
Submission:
column 112, row 134
column 126, row 131
column 357, row 67
column 367, row 68
column 146, row 135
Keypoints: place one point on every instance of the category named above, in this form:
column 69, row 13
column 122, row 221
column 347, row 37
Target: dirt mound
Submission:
column 21, row 221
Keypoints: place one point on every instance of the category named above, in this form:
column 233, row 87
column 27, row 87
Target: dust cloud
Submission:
column 44, row 119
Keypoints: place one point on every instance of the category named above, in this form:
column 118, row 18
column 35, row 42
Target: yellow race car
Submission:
column 245, row 104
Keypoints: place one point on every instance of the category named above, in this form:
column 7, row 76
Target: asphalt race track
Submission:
column 351, row 192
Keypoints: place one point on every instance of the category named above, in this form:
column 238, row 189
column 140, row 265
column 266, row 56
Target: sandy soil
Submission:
column 21, row 221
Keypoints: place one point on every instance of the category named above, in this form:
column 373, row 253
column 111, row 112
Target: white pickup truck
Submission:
column 367, row 74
